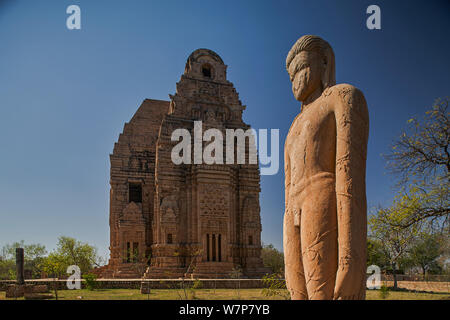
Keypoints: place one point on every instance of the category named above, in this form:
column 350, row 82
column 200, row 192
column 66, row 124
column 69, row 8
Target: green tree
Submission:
column 77, row 253
column 31, row 251
column 33, row 256
column 425, row 252
column 394, row 240
column 444, row 258
column 273, row 259
column 376, row 254
column 7, row 269
column 55, row 265
column 420, row 158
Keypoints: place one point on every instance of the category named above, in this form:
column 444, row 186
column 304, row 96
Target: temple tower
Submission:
column 196, row 218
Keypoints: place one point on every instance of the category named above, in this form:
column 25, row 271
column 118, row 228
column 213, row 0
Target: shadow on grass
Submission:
column 416, row 291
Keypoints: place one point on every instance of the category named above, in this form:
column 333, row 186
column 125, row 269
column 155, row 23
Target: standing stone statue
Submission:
column 325, row 222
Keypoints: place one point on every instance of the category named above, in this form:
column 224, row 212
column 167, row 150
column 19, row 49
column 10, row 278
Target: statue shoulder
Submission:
column 348, row 98
column 345, row 92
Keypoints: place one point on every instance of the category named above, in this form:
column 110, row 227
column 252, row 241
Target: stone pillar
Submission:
column 206, row 248
column 210, row 246
column 218, row 247
column 19, row 266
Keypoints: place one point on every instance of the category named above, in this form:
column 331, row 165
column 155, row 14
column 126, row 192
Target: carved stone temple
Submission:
column 171, row 220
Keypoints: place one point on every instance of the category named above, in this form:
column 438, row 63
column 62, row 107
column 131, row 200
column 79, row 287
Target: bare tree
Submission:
column 420, row 158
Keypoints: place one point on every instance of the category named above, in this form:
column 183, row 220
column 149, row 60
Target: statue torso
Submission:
column 311, row 145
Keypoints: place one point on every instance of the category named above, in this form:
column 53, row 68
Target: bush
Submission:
column 384, row 292
column 90, row 280
column 197, row 284
column 275, row 287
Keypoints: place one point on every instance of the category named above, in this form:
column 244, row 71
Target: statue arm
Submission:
column 287, row 177
column 352, row 129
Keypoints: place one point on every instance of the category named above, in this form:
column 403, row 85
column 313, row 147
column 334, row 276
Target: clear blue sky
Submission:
column 65, row 95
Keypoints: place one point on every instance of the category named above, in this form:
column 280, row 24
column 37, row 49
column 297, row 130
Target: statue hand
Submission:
column 350, row 281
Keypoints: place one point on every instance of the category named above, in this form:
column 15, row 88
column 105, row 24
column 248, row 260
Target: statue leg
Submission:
column 294, row 274
column 319, row 240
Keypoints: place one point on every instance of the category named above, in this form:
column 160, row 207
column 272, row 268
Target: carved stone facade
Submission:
column 196, row 219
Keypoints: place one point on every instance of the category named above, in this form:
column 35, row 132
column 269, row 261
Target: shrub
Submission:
column 197, row 284
column 90, row 280
column 384, row 292
column 275, row 287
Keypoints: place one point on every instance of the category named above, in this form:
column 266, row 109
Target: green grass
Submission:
column 210, row 294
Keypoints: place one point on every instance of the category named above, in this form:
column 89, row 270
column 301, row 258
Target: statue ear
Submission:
column 325, row 73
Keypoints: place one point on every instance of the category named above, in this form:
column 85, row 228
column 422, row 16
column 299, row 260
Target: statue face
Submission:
column 305, row 73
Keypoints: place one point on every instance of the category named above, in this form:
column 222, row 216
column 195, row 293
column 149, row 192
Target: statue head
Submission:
column 310, row 64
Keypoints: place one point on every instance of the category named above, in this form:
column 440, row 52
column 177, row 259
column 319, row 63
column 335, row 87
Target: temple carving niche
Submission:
column 165, row 215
